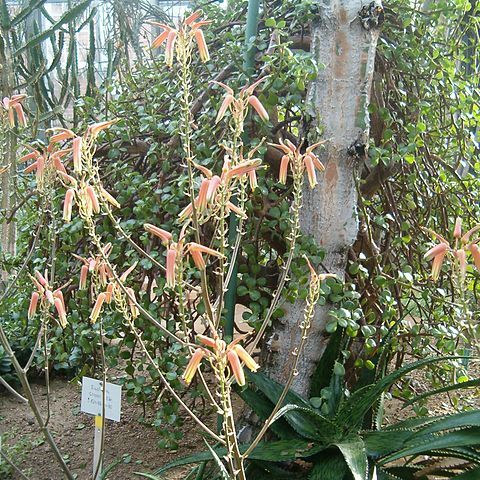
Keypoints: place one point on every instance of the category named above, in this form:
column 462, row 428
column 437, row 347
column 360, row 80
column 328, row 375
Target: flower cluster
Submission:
column 231, row 355
column 188, row 29
column 298, row 161
column 459, row 251
column 13, row 105
column 176, row 251
column 238, row 106
column 46, row 296
column 211, row 184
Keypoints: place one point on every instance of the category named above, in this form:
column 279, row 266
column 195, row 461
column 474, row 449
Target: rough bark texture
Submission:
column 7, row 157
column 338, row 100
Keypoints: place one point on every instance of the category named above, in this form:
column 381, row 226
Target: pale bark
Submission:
column 7, row 157
column 338, row 101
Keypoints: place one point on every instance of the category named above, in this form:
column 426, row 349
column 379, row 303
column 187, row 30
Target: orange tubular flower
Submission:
column 109, row 198
column 259, row 108
column 193, row 17
column 77, row 154
column 245, row 357
column 20, row 114
column 227, row 101
column 41, row 278
column 215, row 182
column 127, row 272
column 163, row 235
column 312, row 178
column 13, row 105
column 40, row 167
column 109, row 293
column 236, row 367
column 209, row 342
column 33, row 305
column 252, row 177
column 170, row 48
column 29, row 156
column 192, row 366
column 457, row 231
column 67, row 205
column 282, row 178
column 96, row 128
column 236, row 210
column 62, row 314
column 83, row 277
column 202, row 45
column 437, row 265
column 462, row 260
column 475, row 251
column 439, row 249
column 243, row 168
column 62, row 134
column 203, row 194
column 196, row 251
column 92, row 197
column 158, row 41
column 97, row 308
column 171, row 260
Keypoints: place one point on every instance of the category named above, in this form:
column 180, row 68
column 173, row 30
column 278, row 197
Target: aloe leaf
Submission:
column 25, row 12
column 400, row 473
column 329, row 465
column 263, row 407
column 279, row 451
column 463, row 438
column 354, row 452
column 306, row 421
column 448, row 388
column 354, row 409
column 67, row 17
column 323, row 373
column 470, row 475
column 220, row 465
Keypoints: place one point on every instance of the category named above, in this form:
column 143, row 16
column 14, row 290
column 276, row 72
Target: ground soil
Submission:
column 130, row 441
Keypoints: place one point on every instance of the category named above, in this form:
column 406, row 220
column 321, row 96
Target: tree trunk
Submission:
column 7, row 156
column 338, row 101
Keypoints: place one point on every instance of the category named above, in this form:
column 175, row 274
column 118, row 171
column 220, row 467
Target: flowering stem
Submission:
column 184, row 49
column 294, row 233
column 234, row 456
column 312, row 299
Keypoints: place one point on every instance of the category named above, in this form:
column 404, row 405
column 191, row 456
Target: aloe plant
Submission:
column 332, row 443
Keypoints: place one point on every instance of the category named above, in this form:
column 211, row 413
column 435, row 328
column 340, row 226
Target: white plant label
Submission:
column 92, row 397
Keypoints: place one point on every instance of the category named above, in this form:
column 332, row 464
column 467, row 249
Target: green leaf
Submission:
column 323, row 373
column 263, row 408
column 67, row 17
column 279, row 451
column 304, row 420
column 448, row 388
column 220, row 465
column 462, row 438
column 470, row 475
column 329, row 465
column 354, row 409
column 354, row 452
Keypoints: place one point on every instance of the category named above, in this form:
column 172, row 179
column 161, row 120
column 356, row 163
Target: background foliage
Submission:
column 421, row 171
